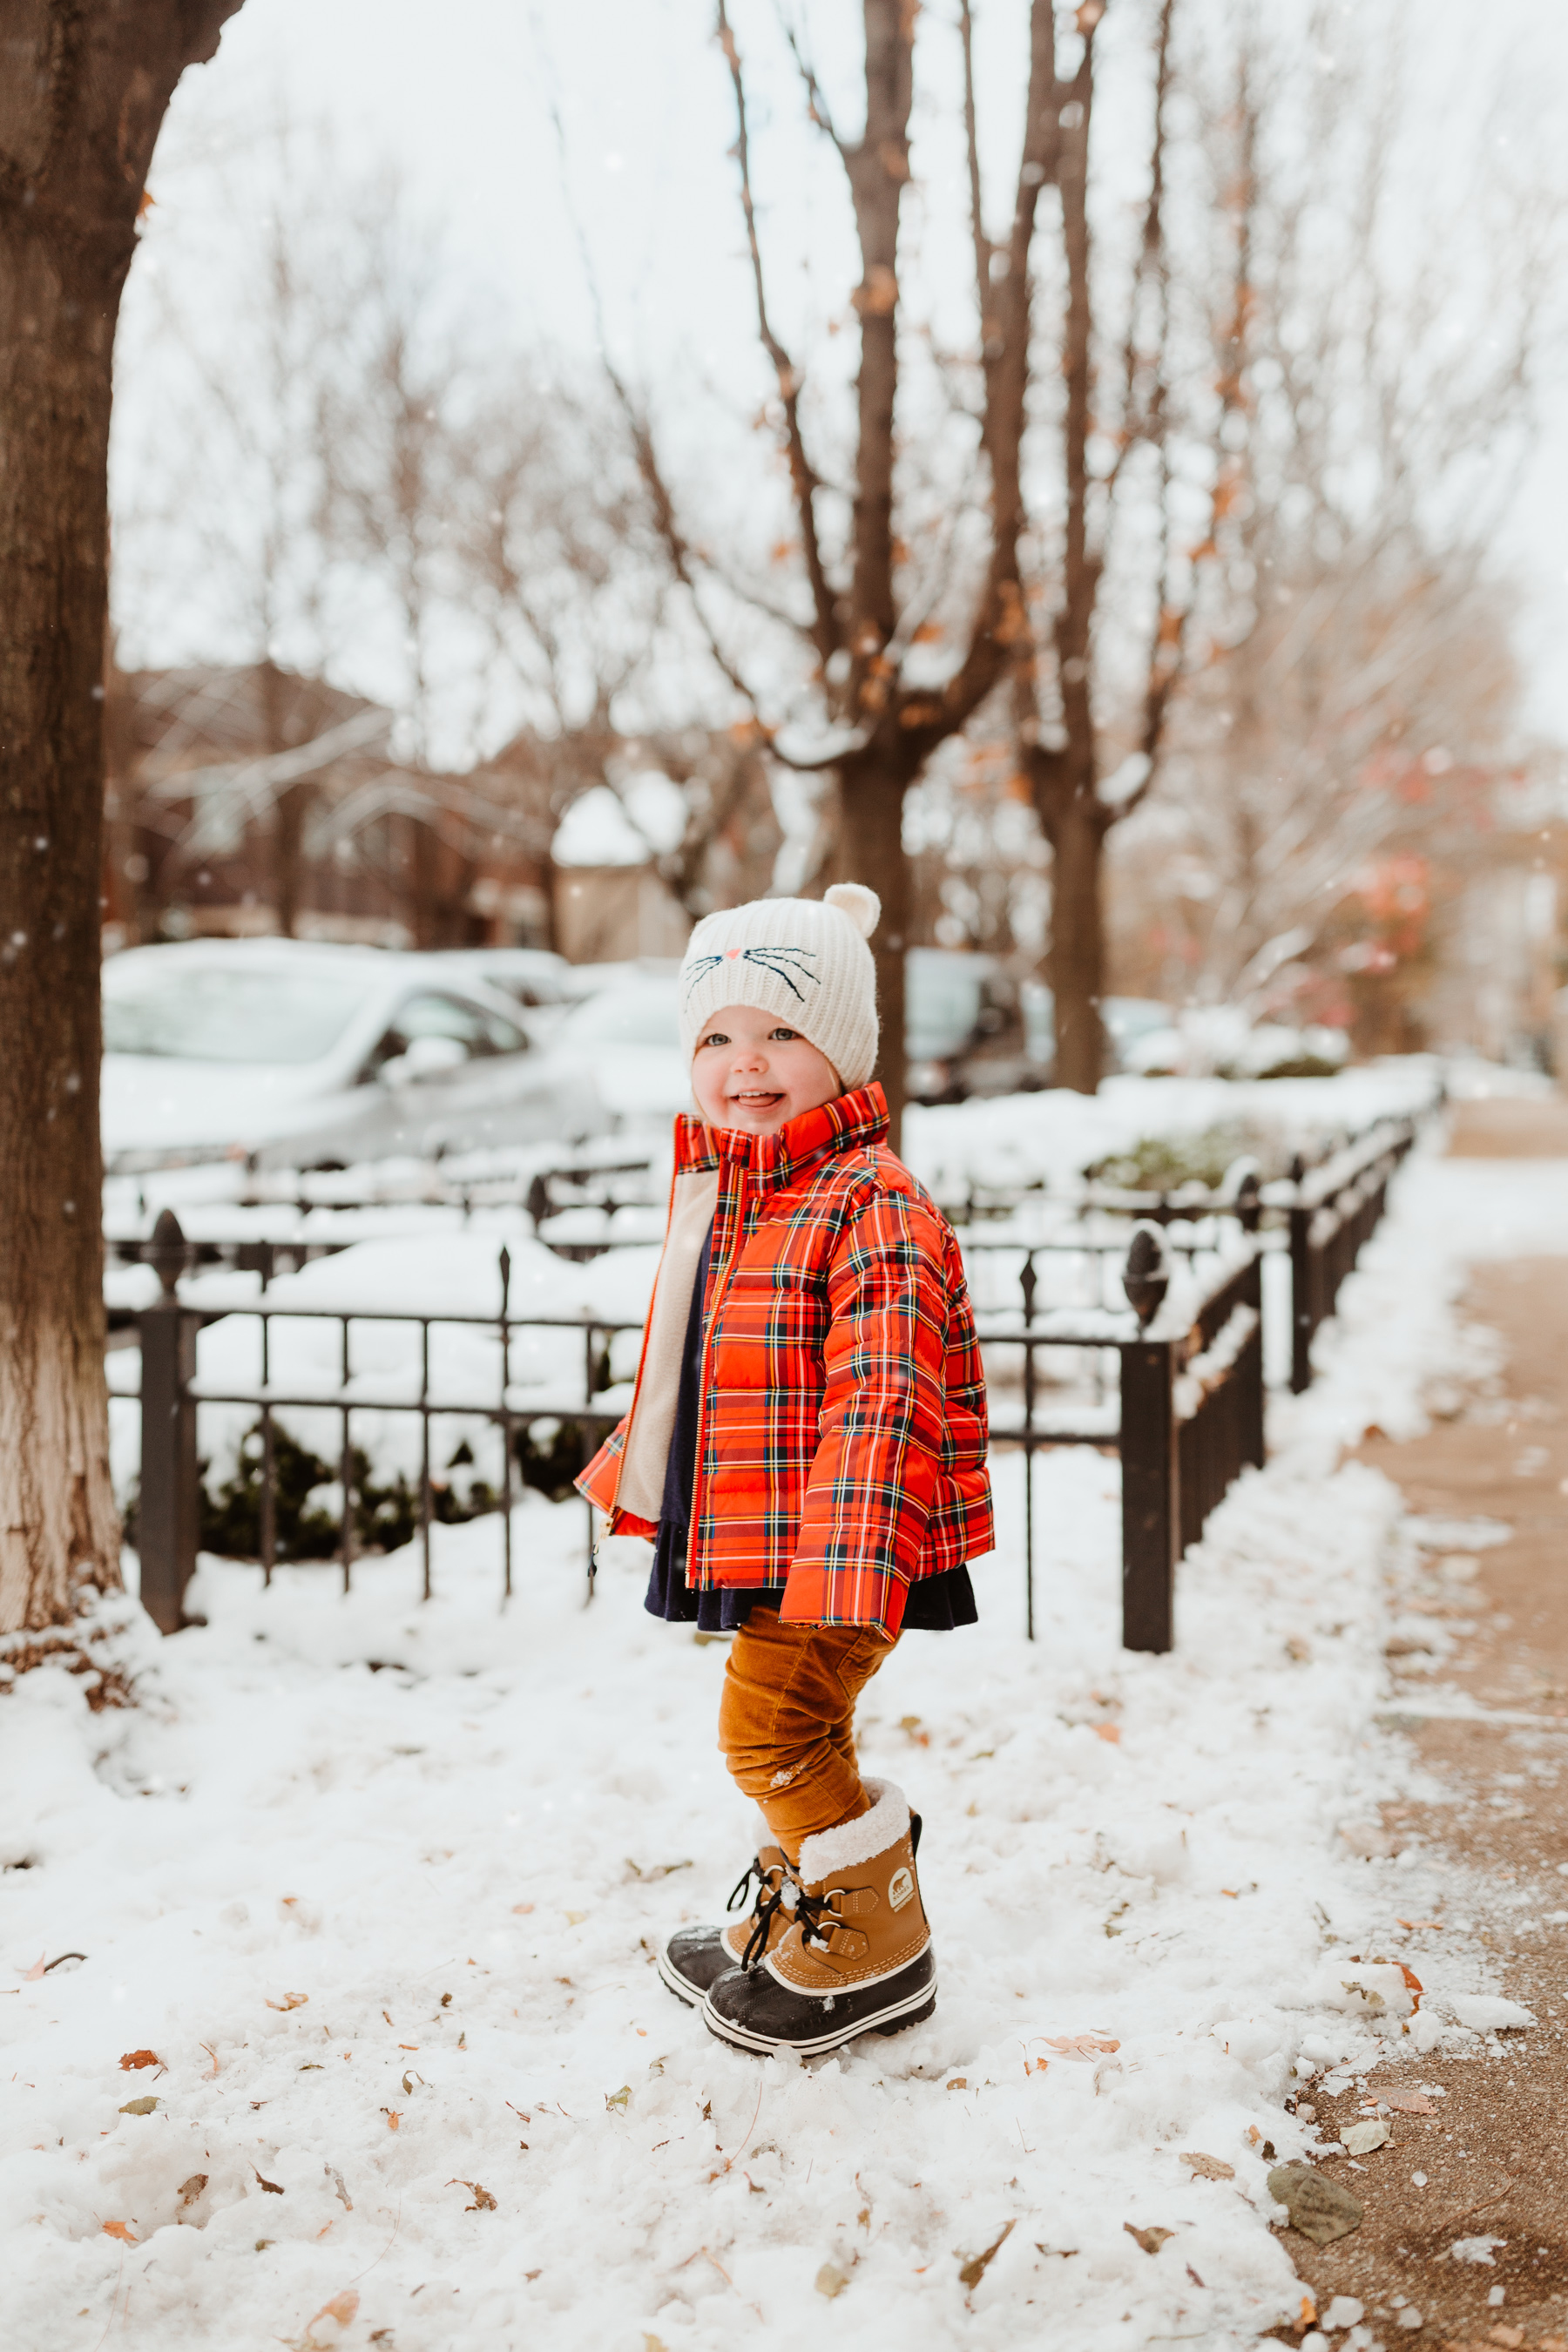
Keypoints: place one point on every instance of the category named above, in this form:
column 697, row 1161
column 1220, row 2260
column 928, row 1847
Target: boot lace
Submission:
column 817, row 1915
column 770, row 1902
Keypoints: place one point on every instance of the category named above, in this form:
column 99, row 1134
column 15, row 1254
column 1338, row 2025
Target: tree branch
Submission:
column 1000, row 632
column 827, row 634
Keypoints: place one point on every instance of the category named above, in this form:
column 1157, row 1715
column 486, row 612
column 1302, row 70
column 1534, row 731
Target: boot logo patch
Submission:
column 901, row 1888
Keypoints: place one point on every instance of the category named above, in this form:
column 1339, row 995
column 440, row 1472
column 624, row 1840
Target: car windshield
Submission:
column 626, row 1017
column 206, row 1014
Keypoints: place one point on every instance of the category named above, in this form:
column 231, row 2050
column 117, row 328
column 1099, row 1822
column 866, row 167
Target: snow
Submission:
column 375, row 1804
column 1019, row 1138
column 630, row 828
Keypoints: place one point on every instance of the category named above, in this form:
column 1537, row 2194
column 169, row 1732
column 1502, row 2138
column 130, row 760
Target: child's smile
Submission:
column 752, row 1071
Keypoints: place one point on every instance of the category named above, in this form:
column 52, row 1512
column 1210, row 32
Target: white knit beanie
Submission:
column 804, row 960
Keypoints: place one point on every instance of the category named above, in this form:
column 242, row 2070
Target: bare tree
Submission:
column 902, row 560
column 238, row 357
column 84, row 92
column 1110, row 445
column 1378, row 356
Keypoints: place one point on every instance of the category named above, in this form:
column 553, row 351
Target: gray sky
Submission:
column 461, row 95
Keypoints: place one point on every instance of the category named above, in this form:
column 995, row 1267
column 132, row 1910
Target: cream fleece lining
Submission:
column 831, row 1853
column 640, row 1488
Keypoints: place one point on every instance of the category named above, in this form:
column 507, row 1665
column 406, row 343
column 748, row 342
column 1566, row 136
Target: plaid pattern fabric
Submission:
column 842, row 1441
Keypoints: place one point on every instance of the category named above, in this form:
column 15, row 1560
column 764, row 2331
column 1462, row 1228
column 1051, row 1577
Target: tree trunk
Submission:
column 84, row 92
column 1076, row 963
column 872, row 851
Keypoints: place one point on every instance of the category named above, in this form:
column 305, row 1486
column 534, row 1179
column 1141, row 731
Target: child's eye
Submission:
column 715, row 1037
column 782, row 1036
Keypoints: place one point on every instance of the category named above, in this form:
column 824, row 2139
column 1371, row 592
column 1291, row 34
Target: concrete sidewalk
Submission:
column 1494, row 2154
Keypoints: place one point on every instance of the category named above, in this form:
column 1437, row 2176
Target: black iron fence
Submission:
column 1172, row 1381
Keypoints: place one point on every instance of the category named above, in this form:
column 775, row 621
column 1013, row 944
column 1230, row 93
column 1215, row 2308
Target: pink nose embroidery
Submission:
column 730, row 953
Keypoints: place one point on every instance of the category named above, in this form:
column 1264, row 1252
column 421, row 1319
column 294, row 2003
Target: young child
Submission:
column 806, row 1448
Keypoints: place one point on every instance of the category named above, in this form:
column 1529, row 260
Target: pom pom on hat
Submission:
column 804, row 960
column 863, row 907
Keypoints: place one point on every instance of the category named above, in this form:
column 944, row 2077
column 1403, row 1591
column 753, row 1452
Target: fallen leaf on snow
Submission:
column 35, row 1971
column 974, row 2269
column 618, row 2098
column 1414, row 1924
column 1111, row 1732
column 483, row 2200
column 576, row 1918
column 336, row 2177
column 192, row 2189
column 120, row 2230
column 1082, row 2045
column 959, row 2082
column 1360, row 2139
column 271, row 2187
column 831, row 2280
column 393, row 2117
column 135, row 2058
column 1208, row 2167
column 290, row 2001
column 341, row 2307
column 138, row 2106
column 1149, row 2239
column 521, row 1906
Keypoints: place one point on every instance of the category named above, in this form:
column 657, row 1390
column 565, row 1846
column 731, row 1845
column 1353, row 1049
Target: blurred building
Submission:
column 251, row 799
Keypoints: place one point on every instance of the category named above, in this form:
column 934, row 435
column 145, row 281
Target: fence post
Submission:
column 1249, row 1373
column 166, row 1525
column 1299, row 1219
column 1151, row 1493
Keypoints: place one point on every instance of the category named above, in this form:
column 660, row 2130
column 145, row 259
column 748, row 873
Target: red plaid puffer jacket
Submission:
column 842, row 1437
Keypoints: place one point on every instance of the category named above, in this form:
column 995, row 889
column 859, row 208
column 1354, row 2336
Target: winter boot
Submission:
column 693, row 1956
column 856, row 1958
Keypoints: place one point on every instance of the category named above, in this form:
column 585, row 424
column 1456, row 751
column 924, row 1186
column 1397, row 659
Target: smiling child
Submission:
column 806, row 1449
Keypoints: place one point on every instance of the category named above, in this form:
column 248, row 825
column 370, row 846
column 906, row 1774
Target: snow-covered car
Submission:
column 289, row 1055
column 629, row 1035
column 540, row 984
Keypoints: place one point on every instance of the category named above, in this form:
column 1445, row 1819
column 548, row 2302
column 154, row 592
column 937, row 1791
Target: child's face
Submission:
column 752, row 1071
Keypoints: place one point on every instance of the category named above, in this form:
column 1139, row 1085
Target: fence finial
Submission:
column 1146, row 1277
column 167, row 1252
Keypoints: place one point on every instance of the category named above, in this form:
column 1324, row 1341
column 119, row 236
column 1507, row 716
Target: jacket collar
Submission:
column 847, row 1123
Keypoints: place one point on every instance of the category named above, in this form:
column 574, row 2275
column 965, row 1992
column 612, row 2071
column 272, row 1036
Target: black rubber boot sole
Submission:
column 706, row 1958
column 754, row 2012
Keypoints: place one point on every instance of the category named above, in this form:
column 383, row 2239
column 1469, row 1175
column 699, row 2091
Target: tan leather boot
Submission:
column 856, row 1958
column 692, row 1958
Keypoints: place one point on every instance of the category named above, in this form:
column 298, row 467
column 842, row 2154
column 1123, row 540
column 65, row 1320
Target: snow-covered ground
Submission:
column 424, row 1851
